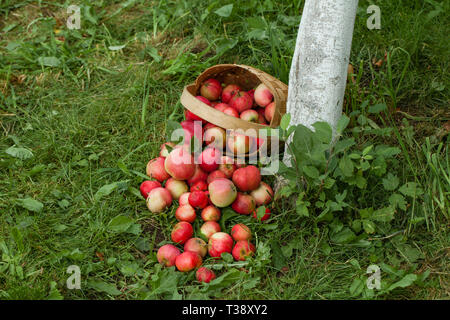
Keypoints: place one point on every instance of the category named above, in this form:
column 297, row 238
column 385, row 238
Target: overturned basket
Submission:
column 247, row 78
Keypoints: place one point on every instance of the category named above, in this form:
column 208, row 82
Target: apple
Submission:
column 199, row 186
column 185, row 213
column 221, row 106
column 264, row 217
column 219, row 243
column 209, row 159
column 180, row 164
column 243, row 249
column 227, row 166
column 204, row 274
column 176, row 187
column 241, row 101
column 215, row 175
column 263, row 96
column 240, row 144
column 231, row 112
column 182, row 232
column 190, row 116
column 263, row 194
column 167, row 255
column 158, row 199
column 229, row 91
column 247, row 178
column 192, row 129
column 155, row 169
column 250, row 116
column 148, row 186
column 188, row 261
column 269, row 112
column 164, row 151
column 215, row 137
column 244, row 204
column 184, row 199
column 209, row 228
column 222, row 192
column 211, row 89
column 210, row 213
column 199, row 175
column 196, row 245
column 204, row 100
column 241, row 232
column 198, row 199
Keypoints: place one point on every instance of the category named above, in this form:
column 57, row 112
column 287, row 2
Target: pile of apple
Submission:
column 215, row 181
column 255, row 105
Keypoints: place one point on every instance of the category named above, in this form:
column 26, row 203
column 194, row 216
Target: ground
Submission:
column 83, row 111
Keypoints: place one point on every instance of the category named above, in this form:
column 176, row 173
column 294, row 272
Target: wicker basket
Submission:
column 247, row 78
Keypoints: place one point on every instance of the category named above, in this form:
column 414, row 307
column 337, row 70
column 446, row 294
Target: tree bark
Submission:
column 318, row 72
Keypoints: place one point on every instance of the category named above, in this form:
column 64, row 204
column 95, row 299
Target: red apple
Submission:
column 247, row 178
column 243, row 249
column 196, row 245
column 148, row 186
column 164, row 151
column 222, row 192
column 244, row 204
column 188, row 261
column 263, row 96
column 211, row 213
column 155, row 169
column 209, row 228
column 263, row 194
column 184, row 199
column 231, row 112
column 192, row 129
column 176, row 187
column 215, row 175
column 241, row 232
column 182, row 232
column 240, row 144
column 180, row 164
column 204, row 274
column 241, row 101
column 199, row 186
column 211, row 89
column 209, row 159
column 227, row 166
column 199, row 175
column 185, row 213
column 204, row 100
column 221, row 106
column 198, row 199
column 158, row 199
column 215, row 137
column 167, row 255
column 269, row 112
column 250, row 116
column 219, row 243
column 229, row 91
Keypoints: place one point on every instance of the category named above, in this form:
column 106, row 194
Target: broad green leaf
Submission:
column 406, row 281
column 108, row 188
column 30, row 204
column 411, row 189
column 397, row 200
column 285, row 121
column 311, row 172
column 342, row 123
column 102, row 286
column 54, row 293
column 224, row 45
column 346, row 166
column 154, row 54
column 279, row 259
column 224, row 11
column 390, row 182
column 369, row 226
column 18, row 152
column 323, row 131
column 120, row 223
column 344, row 236
column 377, row 108
column 384, row 214
column 343, row 145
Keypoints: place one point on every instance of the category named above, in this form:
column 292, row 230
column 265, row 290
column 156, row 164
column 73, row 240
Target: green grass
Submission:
column 92, row 116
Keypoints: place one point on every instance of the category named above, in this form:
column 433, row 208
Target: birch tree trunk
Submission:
column 318, row 72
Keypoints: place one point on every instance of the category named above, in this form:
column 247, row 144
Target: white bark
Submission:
column 318, row 72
